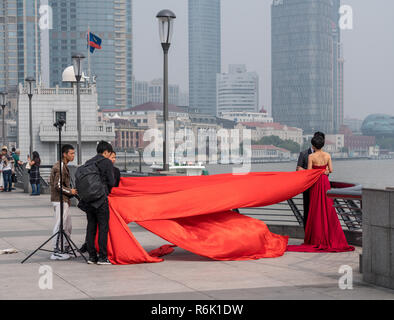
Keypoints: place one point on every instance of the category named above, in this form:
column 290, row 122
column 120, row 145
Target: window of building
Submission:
column 60, row 115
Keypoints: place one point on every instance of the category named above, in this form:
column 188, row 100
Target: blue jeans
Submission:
column 7, row 177
column 35, row 188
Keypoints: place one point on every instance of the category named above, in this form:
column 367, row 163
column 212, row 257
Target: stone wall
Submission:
column 378, row 237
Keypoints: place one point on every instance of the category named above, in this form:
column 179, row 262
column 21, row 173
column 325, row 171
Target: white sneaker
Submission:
column 60, row 256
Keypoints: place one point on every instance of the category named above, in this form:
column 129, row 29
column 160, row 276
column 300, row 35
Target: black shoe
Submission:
column 92, row 260
column 84, row 248
column 102, row 261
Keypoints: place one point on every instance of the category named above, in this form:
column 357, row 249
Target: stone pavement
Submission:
column 26, row 222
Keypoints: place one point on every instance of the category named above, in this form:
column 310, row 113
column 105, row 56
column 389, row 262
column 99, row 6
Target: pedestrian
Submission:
column 68, row 154
column 16, row 156
column 116, row 170
column 97, row 211
column 34, row 173
column 6, row 167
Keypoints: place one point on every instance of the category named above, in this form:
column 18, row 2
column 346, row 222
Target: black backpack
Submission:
column 89, row 183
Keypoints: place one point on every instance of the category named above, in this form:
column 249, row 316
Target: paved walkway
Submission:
column 26, row 222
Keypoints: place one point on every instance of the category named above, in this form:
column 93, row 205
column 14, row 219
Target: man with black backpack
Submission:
column 94, row 181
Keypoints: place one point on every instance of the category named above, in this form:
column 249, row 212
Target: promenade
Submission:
column 26, row 222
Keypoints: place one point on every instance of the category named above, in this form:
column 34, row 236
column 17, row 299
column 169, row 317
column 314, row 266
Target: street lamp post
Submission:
column 3, row 103
column 166, row 22
column 30, row 81
column 77, row 62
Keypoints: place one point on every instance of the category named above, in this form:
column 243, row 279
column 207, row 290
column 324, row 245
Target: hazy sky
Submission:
column 246, row 39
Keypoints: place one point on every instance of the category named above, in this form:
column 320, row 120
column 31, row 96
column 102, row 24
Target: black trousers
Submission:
column 306, row 196
column 97, row 217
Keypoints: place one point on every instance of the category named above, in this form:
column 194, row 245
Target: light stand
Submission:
column 60, row 234
column 166, row 20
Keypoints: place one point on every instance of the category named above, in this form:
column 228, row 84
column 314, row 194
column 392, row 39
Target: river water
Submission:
column 368, row 173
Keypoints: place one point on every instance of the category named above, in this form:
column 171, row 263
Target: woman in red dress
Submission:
column 323, row 232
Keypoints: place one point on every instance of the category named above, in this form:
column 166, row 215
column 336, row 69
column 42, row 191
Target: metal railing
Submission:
column 347, row 202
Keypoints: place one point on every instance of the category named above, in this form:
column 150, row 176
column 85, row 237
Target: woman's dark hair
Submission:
column 318, row 142
column 318, row 133
column 36, row 158
column 104, row 146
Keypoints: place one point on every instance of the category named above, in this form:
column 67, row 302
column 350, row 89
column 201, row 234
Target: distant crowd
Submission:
column 10, row 162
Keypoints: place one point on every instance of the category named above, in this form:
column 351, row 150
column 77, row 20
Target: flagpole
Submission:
column 89, row 72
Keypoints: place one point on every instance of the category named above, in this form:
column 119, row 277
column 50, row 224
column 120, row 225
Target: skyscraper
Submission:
column 237, row 90
column 19, row 43
column 111, row 20
column 204, row 54
column 307, row 64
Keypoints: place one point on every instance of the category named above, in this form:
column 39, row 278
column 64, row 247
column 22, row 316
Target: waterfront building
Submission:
column 353, row 124
column 378, row 125
column 307, row 65
column 261, row 130
column 52, row 104
column 262, row 153
column 152, row 91
column 237, row 90
column 204, row 53
column 239, row 116
column 128, row 135
column 111, row 20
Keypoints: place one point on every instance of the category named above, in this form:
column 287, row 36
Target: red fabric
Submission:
column 194, row 213
column 323, row 232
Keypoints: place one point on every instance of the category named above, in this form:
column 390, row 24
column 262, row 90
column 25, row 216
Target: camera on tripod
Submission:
column 59, row 123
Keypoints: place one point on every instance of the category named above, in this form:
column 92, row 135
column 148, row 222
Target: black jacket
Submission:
column 303, row 158
column 106, row 169
column 116, row 176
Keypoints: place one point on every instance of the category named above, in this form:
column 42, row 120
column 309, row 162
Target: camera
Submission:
column 59, row 123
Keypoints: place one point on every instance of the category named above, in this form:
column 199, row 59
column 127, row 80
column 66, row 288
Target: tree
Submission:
column 290, row 145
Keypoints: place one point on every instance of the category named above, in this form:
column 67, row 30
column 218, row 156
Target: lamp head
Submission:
column 30, row 81
column 77, row 63
column 3, row 99
column 166, row 21
column 60, row 123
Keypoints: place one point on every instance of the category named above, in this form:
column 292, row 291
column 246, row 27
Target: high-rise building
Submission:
column 111, row 20
column 19, row 43
column 152, row 91
column 237, row 90
column 204, row 54
column 307, row 64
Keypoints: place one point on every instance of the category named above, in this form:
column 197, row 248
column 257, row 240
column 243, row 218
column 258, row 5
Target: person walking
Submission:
column 68, row 154
column 6, row 167
column 34, row 173
column 98, row 211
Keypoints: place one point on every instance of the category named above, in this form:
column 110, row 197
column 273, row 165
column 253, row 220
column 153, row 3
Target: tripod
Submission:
column 60, row 234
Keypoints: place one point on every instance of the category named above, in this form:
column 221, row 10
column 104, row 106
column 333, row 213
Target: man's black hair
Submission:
column 318, row 141
column 66, row 148
column 104, row 146
column 13, row 149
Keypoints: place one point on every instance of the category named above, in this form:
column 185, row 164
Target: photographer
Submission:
column 68, row 154
column 97, row 210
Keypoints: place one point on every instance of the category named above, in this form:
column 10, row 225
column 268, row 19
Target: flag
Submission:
column 94, row 42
